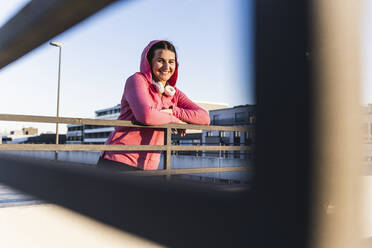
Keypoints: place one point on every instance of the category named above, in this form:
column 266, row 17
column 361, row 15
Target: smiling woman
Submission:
column 162, row 59
column 151, row 98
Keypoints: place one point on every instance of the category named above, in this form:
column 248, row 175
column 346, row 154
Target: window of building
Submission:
column 241, row 116
column 215, row 119
column 186, row 142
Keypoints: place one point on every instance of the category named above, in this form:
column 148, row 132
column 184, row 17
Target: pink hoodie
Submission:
column 141, row 102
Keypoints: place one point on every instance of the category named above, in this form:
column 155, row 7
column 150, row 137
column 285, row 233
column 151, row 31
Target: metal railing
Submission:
column 167, row 147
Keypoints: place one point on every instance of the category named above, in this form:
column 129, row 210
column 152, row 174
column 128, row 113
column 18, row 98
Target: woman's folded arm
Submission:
column 187, row 111
column 138, row 97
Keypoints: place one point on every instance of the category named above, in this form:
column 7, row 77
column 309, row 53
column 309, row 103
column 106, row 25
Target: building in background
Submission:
column 220, row 114
column 20, row 135
column 243, row 115
column 25, row 131
column 93, row 134
column 44, row 138
column 195, row 137
column 30, row 135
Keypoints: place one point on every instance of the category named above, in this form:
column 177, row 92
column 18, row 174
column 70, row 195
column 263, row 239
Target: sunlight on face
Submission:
column 163, row 65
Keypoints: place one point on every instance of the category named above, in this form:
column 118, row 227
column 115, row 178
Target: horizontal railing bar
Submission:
column 87, row 121
column 64, row 120
column 52, row 147
column 188, row 171
column 211, row 148
column 39, row 21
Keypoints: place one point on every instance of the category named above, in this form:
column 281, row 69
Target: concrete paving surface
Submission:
column 28, row 222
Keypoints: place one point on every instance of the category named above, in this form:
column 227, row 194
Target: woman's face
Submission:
column 163, row 65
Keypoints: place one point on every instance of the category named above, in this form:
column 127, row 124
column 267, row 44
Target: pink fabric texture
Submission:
column 141, row 102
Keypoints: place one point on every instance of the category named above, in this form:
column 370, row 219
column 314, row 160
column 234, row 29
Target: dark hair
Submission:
column 160, row 45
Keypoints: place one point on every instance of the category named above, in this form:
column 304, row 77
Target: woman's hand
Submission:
column 180, row 132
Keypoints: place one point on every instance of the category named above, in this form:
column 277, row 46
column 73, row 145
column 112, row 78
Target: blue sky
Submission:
column 98, row 55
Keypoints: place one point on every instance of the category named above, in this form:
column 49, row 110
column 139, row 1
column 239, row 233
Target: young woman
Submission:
column 151, row 98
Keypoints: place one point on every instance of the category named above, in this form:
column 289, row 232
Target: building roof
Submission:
column 211, row 105
column 239, row 106
column 106, row 109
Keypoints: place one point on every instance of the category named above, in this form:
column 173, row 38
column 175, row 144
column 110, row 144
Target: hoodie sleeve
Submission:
column 140, row 101
column 187, row 111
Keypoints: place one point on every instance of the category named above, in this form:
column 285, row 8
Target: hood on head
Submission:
column 145, row 68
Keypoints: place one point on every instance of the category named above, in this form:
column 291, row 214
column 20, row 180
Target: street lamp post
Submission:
column 59, row 45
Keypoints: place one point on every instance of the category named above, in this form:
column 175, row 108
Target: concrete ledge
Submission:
column 53, row 226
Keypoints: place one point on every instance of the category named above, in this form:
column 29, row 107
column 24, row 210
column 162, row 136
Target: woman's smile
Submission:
column 163, row 65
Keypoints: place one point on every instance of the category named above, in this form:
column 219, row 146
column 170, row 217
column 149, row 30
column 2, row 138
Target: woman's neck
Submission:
column 162, row 82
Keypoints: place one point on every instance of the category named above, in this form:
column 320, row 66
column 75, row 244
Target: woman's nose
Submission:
column 166, row 66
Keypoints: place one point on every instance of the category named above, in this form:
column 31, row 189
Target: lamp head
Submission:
column 53, row 43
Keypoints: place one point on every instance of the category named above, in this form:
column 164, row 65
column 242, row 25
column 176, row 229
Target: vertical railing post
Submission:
column 168, row 152
column 220, row 151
